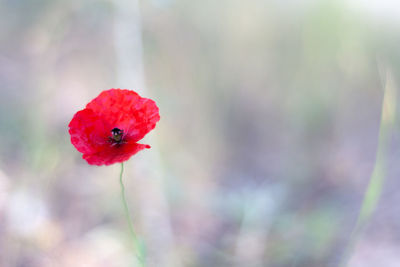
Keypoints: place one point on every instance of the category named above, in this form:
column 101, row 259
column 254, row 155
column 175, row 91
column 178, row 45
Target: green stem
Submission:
column 137, row 246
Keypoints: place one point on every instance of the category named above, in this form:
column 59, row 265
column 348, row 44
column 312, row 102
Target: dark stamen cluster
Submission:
column 116, row 135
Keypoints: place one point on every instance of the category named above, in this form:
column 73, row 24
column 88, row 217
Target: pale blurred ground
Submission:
column 270, row 115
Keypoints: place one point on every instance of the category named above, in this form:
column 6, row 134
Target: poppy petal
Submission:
column 110, row 155
column 87, row 131
column 126, row 110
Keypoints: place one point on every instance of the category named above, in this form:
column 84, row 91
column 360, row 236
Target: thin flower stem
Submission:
column 137, row 246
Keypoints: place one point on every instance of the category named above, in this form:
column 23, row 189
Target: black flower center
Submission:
column 116, row 135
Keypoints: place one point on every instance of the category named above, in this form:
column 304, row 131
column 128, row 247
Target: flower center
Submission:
column 116, row 135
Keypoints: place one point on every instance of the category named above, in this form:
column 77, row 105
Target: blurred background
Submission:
column 269, row 132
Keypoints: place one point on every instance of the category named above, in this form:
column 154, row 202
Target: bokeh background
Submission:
column 271, row 113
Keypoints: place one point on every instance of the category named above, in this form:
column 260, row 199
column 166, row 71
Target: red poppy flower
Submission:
column 108, row 129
